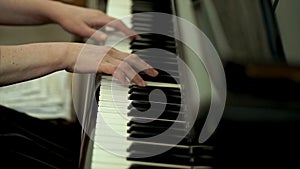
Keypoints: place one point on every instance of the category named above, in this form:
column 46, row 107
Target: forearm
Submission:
column 27, row 12
column 25, row 62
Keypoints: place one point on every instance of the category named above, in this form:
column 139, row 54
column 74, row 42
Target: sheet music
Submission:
column 46, row 97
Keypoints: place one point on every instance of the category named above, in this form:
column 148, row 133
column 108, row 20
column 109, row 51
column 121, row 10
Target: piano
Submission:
column 120, row 123
column 129, row 130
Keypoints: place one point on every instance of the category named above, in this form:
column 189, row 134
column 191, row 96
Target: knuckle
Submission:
column 125, row 66
column 133, row 57
column 109, row 50
column 111, row 69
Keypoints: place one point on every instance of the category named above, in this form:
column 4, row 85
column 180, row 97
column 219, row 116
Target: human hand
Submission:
column 102, row 59
column 84, row 21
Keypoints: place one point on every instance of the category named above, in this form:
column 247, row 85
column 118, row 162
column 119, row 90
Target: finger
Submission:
column 136, row 62
column 118, row 74
column 107, row 68
column 99, row 36
column 121, row 70
column 93, row 33
column 141, row 65
column 131, row 74
column 119, row 25
column 121, row 77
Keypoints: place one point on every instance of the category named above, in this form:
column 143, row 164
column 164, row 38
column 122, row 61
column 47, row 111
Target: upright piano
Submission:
column 118, row 126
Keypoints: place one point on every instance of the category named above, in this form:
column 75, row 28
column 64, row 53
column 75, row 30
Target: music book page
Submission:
column 46, row 97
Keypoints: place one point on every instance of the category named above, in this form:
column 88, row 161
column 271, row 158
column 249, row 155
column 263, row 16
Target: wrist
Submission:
column 52, row 10
column 71, row 54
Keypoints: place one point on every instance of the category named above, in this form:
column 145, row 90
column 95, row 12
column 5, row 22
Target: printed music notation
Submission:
column 47, row 97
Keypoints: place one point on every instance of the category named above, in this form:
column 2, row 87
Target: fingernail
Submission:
column 133, row 37
column 103, row 37
column 154, row 73
column 142, row 83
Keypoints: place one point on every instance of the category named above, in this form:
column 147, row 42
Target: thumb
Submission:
column 99, row 36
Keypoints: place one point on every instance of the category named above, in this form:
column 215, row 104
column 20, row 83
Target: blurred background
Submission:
column 258, row 42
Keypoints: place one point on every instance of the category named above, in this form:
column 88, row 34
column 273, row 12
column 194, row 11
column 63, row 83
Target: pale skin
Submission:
column 29, row 61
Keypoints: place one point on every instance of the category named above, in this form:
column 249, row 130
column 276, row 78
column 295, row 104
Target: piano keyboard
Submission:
column 124, row 123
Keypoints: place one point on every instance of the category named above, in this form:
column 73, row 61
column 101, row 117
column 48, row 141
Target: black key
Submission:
column 161, row 63
column 142, row 8
column 152, row 148
column 136, row 20
column 146, row 125
column 144, row 15
column 156, row 129
column 145, row 166
column 159, row 55
column 154, row 106
column 153, row 41
column 137, row 8
column 149, row 16
column 174, row 159
column 144, row 105
column 157, row 122
column 140, row 45
column 157, row 36
column 155, row 27
column 157, row 114
column 171, row 149
column 148, row 89
column 157, row 97
column 158, row 6
column 160, row 78
column 156, row 58
column 171, row 76
column 137, row 45
column 165, row 138
column 166, row 66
